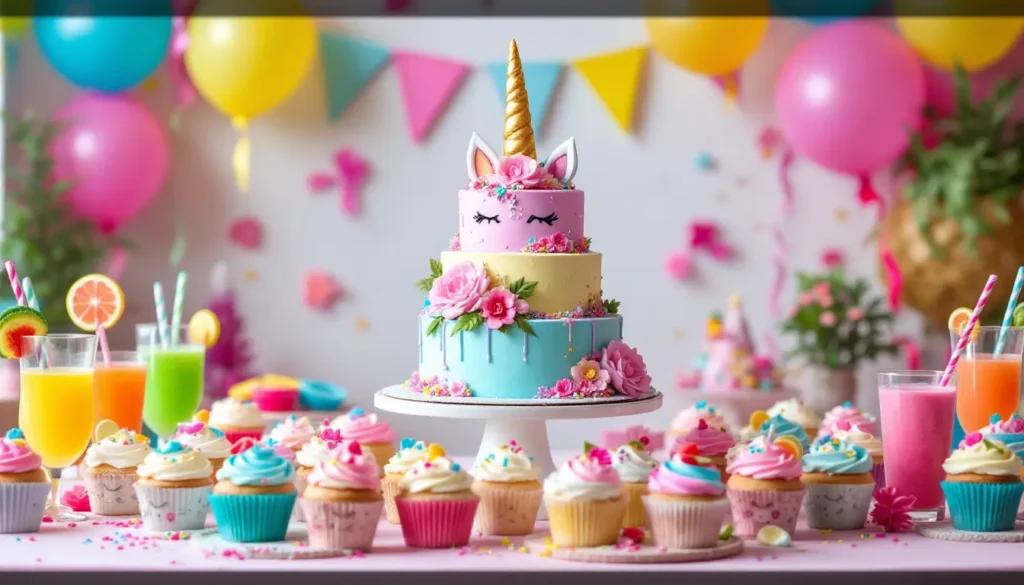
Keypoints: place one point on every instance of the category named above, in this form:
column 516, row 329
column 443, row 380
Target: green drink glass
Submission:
column 174, row 378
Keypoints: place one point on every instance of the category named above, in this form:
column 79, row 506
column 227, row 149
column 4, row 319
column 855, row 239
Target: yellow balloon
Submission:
column 14, row 25
column 709, row 45
column 973, row 42
column 246, row 66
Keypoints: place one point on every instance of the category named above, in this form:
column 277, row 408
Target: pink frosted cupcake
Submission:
column 342, row 503
column 847, row 412
column 689, row 418
column 585, row 500
column 437, row 505
column 372, row 433
column 24, row 486
column 292, row 432
column 237, row 419
column 686, row 504
column 858, row 435
column 764, row 485
column 712, row 442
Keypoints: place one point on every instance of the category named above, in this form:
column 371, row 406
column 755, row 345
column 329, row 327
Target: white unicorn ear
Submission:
column 562, row 161
column 480, row 159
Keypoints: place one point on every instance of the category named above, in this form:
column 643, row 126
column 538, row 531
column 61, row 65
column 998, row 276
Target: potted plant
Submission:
column 837, row 324
column 960, row 214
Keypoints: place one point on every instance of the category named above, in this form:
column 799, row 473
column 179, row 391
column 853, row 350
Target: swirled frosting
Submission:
column 506, row 464
column 175, row 462
column 204, row 439
column 235, row 414
column 282, row 450
column 363, row 427
column 688, row 418
column 677, row 477
column 712, row 441
column 349, row 468
column 982, row 457
column 763, row 459
column 259, row 466
column 293, row 432
column 318, row 449
column 857, row 435
column 1009, row 431
column 411, row 453
column 584, row 478
column 633, row 463
column 440, row 475
column 784, row 426
column 849, row 413
column 120, row 450
column 16, row 457
column 834, row 457
column 796, row 411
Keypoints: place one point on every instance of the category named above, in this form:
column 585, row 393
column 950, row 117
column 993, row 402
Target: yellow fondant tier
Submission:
column 564, row 281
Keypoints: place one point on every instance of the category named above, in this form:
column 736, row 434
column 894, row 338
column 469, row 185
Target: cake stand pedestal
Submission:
column 522, row 421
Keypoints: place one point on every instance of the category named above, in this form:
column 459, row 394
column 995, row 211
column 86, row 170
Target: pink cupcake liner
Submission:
column 22, row 506
column 341, row 525
column 111, row 494
column 878, row 474
column 685, row 524
column 169, row 509
column 752, row 510
column 234, row 436
column 436, row 523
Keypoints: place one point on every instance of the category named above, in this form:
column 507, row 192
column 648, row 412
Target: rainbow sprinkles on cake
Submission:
column 514, row 307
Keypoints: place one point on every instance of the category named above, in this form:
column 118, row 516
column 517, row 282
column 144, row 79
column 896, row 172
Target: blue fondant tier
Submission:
column 512, row 365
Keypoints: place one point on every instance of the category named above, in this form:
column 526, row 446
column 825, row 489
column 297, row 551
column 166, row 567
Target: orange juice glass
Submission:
column 120, row 388
column 987, row 380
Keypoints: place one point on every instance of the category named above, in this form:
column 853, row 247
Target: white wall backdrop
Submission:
column 642, row 192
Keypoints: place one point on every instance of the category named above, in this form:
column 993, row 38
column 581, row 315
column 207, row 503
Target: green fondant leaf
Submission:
column 523, row 324
column 516, row 286
column 588, row 447
column 435, row 324
column 425, row 284
column 611, row 305
column 436, row 268
column 468, row 322
column 526, row 289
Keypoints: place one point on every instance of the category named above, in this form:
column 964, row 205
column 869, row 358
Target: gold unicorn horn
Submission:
column 518, row 122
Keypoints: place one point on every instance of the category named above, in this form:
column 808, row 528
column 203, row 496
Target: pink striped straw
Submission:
column 12, row 274
column 965, row 337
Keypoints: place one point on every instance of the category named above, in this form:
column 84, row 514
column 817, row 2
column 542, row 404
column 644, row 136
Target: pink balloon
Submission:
column 849, row 95
column 116, row 155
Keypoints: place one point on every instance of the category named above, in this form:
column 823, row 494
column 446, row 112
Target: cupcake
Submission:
column 782, row 426
column 686, row 504
column 837, row 477
column 371, row 432
column 315, row 451
column 584, row 500
column 409, row 454
column 510, row 495
column 634, row 464
column 764, row 485
column 174, row 488
column 342, row 502
column 1009, row 431
column 858, row 435
column 292, row 432
column 688, row 419
column 794, row 410
column 24, row 486
column 983, row 485
column 712, row 442
column 110, row 469
column 851, row 414
column 254, row 496
column 437, row 505
column 202, row 438
column 237, row 419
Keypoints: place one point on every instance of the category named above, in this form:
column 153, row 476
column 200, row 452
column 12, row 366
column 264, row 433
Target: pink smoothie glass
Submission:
column 917, row 428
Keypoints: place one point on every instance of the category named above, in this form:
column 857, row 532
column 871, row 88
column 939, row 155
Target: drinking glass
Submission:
column 917, row 427
column 56, row 407
column 988, row 382
column 174, row 377
column 120, row 388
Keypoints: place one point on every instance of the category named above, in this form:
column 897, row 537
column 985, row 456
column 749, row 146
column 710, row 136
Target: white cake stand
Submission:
column 523, row 421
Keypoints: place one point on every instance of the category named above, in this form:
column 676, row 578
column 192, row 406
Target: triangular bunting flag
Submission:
column 541, row 82
column 12, row 48
column 428, row 85
column 615, row 78
column 350, row 64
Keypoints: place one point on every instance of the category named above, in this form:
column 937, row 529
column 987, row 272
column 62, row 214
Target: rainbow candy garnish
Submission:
column 203, row 416
column 435, row 451
column 758, row 418
column 791, row 444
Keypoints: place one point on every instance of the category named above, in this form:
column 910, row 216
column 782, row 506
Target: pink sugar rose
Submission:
column 855, row 313
column 563, row 388
column 458, row 291
column 559, row 243
column 500, row 307
column 626, row 368
column 517, row 170
column 590, row 372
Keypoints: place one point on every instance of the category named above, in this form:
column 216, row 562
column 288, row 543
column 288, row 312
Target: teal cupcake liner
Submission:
column 254, row 518
column 983, row 507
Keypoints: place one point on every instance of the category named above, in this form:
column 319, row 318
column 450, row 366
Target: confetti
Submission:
column 678, row 266
column 320, row 290
column 246, row 233
column 703, row 161
column 351, row 171
column 841, row 215
column 706, row 236
column 362, row 324
column 251, row 275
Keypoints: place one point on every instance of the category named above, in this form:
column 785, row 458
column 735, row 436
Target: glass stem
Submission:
column 55, row 485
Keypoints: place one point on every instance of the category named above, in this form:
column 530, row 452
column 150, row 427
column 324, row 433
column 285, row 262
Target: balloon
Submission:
column 849, row 95
column 246, row 66
column 972, row 42
column 14, row 25
column 823, row 12
column 115, row 153
column 708, row 45
column 107, row 53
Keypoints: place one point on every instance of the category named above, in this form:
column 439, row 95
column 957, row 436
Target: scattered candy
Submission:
column 634, row 534
column 726, row 532
column 774, row 536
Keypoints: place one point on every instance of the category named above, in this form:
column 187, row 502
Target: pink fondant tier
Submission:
column 491, row 224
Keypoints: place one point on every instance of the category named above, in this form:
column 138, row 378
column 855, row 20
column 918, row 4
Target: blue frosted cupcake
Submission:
column 983, row 485
column 837, row 476
column 254, row 496
column 1009, row 431
column 780, row 426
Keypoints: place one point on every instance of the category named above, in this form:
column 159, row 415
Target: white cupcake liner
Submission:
column 170, row 509
column 111, row 494
column 837, row 506
column 22, row 506
column 684, row 523
column 341, row 525
column 300, row 481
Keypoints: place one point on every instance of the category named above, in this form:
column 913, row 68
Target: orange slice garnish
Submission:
column 94, row 300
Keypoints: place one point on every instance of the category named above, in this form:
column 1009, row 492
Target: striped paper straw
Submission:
column 965, row 336
column 33, row 303
column 1018, row 283
column 12, row 274
column 179, row 304
column 161, row 312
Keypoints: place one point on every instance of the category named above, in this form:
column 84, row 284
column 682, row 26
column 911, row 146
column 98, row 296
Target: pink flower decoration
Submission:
column 517, row 170
column 459, row 389
column 500, row 307
column 627, row 369
column 806, row 299
column 458, row 291
column 827, row 319
column 76, row 498
column 821, row 290
column 600, row 455
column 331, row 436
column 832, row 258
column 826, row 302
column 590, row 372
column 563, row 388
column 855, row 313
column 973, row 439
column 892, row 510
column 560, row 243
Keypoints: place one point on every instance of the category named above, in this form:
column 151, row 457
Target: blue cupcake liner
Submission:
column 252, row 518
column 983, row 507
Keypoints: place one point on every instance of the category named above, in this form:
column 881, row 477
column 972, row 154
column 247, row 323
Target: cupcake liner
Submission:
column 22, row 506
column 507, row 512
column 878, row 473
column 170, row 509
column 341, row 525
column 234, row 436
column 436, row 523
column 252, row 518
column 301, row 481
column 837, row 506
column 983, row 507
column 391, row 486
column 585, row 523
column 111, row 494
column 685, row 523
column 635, row 513
column 752, row 510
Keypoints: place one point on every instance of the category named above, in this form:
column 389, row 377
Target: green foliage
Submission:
column 836, row 322
column 979, row 156
column 522, row 289
column 435, row 324
column 436, row 270
column 524, row 325
column 611, row 305
column 41, row 232
column 468, row 322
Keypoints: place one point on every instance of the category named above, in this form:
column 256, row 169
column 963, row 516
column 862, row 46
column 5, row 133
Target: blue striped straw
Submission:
column 179, row 304
column 161, row 313
column 1018, row 283
column 33, row 303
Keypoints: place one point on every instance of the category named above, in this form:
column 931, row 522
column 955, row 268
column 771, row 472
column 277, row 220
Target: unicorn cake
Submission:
column 514, row 308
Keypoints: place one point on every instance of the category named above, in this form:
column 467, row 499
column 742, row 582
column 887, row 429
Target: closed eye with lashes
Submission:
column 548, row 219
column 480, row 218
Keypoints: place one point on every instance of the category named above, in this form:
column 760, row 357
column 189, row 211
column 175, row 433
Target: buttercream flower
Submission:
column 458, row 291
column 563, row 388
column 855, row 313
column 559, row 243
column 500, row 307
column 459, row 389
column 590, row 372
column 627, row 369
column 827, row 319
column 517, row 170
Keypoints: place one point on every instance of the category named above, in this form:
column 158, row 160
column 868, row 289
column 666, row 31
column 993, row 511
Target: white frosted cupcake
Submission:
column 409, row 454
column 292, row 432
column 237, row 419
column 510, row 495
column 634, row 463
column 110, row 470
column 795, row 411
column 173, row 488
column 204, row 439
column 313, row 452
